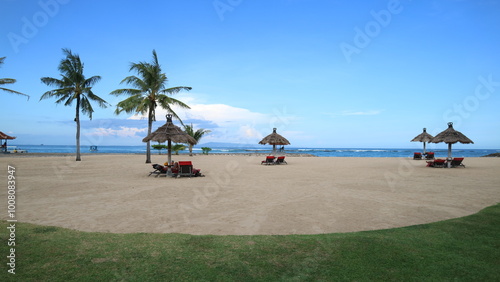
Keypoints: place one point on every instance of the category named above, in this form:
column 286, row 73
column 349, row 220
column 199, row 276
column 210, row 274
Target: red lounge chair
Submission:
column 186, row 169
column 417, row 156
column 457, row 162
column 281, row 160
column 158, row 170
column 436, row 163
column 268, row 161
column 429, row 156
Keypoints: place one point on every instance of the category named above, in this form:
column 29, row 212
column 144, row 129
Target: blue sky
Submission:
column 325, row 73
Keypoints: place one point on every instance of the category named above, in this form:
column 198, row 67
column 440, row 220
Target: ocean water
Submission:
column 320, row 152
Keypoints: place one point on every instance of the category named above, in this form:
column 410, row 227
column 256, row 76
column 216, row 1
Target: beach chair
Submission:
column 186, row 169
column 429, row 155
column 417, row 156
column 457, row 162
column 268, row 161
column 158, row 170
column 281, row 160
column 436, row 163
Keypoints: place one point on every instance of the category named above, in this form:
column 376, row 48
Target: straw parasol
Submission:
column 451, row 136
column 274, row 139
column 170, row 132
column 423, row 137
column 5, row 137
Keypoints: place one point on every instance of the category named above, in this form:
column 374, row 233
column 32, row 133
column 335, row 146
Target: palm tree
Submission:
column 74, row 86
column 9, row 81
column 178, row 147
column 197, row 135
column 149, row 92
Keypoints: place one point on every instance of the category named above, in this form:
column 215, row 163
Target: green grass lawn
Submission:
column 464, row 249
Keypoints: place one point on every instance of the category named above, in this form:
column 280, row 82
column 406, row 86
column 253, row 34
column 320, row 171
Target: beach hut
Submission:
column 451, row 136
column 423, row 137
column 274, row 139
column 170, row 132
column 5, row 137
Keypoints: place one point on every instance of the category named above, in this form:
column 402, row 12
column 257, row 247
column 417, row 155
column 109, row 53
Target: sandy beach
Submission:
column 238, row 196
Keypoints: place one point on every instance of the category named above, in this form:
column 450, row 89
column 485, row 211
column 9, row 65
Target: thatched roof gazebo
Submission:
column 5, row 137
column 423, row 137
column 451, row 136
column 170, row 132
column 274, row 139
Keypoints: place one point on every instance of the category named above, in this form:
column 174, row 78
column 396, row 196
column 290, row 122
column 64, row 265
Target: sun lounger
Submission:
column 417, row 156
column 436, row 163
column 281, row 160
column 268, row 161
column 158, row 170
column 186, row 169
column 429, row 156
column 457, row 162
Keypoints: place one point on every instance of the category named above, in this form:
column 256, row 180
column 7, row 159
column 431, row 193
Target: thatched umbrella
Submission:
column 451, row 136
column 5, row 137
column 423, row 137
column 170, row 132
column 274, row 139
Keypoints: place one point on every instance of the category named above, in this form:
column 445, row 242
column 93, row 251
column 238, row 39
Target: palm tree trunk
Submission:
column 150, row 126
column 191, row 149
column 169, row 159
column 77, row 119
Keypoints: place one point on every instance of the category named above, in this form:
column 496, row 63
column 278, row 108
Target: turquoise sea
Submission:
column 320, row 152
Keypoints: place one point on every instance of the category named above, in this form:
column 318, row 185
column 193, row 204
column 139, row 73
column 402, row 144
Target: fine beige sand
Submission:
column 310, row 195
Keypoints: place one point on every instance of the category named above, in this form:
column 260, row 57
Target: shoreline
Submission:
column 144, row 154
column 494, row 155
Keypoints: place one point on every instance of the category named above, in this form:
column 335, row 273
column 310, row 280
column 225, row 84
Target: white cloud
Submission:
column 250, row 132
column 224, row 115
column 122, row 132
column 220, row 114
column 227, row 123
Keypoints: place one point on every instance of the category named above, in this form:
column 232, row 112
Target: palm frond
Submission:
column 14, row 92
column 101, row 102
column 175, row 90
column 89, row 82
column 50, row 81
column 7, row 81
column 189, row 129
column 127, row 91
column 198, row 134
column 155, row 58
column 86, row 107
column 67, row 100
column 165, row 101
column 133, row 104
column 135, row 82
column 62, row 93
